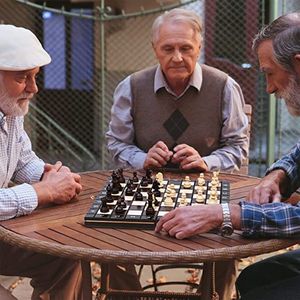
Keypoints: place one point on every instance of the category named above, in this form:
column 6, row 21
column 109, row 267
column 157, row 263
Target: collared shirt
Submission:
column 120, row 135
column 290, row 163
column 18, row 164
column 272, row 219
column 276, row 219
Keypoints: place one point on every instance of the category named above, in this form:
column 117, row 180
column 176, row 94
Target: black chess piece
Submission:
column 135, row 177
column 155, row 186
column 119, row 209
column 121, row 176
column 144, row 181
column 104, row 208
column 108, row 196
column 150, row 211
column 122, row 203
column 138, row 196
column 149, row 176
column 156, row 202
column 129, row 190
column 115, row 183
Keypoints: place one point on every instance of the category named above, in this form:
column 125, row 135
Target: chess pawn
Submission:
column 122, row 203
column 104, row 208
column 200, row 197
column 213, row 195
column 129, row 190
column 168, row 201
column 183, row 200
column 138, row 196
column 135, row 179
column 201, row 180
column 187, row 182
column 119, row 209
column 144, row 181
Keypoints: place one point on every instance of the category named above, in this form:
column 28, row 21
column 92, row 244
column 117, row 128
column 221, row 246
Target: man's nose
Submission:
column 31, row 86
column 177, row 56
column 271, row 88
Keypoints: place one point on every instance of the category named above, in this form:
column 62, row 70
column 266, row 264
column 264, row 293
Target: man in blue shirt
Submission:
column 265, row 214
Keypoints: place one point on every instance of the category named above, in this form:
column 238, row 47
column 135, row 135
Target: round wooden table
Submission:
column 60, row 231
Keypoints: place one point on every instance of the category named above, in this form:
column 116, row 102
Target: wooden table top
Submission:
column 60, row 230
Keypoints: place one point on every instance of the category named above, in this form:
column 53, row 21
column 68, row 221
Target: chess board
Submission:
column 135, row 215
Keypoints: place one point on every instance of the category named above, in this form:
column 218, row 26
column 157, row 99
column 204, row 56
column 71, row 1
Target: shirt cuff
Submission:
column 138, row 160
column 38, row 172
column 26, row 198
column 213, row 162
column 251, row 218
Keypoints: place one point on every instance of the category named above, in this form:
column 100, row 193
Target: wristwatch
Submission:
column 226, row 228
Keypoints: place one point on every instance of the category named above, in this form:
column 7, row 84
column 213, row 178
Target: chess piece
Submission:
column 183, row 200
column 104, row 208
column 201, row 180
column 119, row 209
column 120, row 175
column 150, row 211
column 159, row 177
column 149, row 176
column 155, row 187
column 122, row 203
column 168, row 200
column 200, row 196
column 138, row 196
column 129, row 190
column 156, row 202
column 108, row 195
column 144, row 181
column 135, row 179
column 116, row 186
column 187, row 182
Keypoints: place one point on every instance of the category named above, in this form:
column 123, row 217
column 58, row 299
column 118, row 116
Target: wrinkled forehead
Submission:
column 265, row 54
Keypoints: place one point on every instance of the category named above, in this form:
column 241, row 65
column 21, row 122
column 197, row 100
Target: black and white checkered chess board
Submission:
column 128, row 205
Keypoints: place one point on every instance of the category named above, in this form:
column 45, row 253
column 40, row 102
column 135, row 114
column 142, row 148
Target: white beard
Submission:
column 10, row 105
column 291, row 95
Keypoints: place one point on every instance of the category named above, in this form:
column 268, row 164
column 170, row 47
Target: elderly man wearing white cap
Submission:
column 21, row 56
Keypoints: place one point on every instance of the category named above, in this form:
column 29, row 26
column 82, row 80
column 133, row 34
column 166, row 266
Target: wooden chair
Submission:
column 243, row 170
column 245, row 163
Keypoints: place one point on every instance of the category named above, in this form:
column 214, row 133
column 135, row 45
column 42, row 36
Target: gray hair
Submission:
column 177, row 15
column 285, row 35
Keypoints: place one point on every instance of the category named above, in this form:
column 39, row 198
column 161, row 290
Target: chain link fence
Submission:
column 94, row 45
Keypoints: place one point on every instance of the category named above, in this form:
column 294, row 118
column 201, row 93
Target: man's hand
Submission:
column 157, row 156
column 58, row 185
column 187, row 221
column 188, row 158
column 268, row 189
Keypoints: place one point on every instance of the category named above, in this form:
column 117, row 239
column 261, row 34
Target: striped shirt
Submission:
column 19, row 164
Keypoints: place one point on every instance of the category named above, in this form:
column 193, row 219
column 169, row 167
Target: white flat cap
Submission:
column 20, row 49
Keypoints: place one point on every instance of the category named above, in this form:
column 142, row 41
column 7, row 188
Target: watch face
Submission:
column 226, row 230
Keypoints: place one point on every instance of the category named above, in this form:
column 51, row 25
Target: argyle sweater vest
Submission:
column 194, row 119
